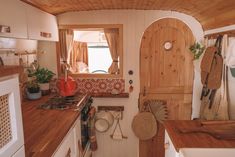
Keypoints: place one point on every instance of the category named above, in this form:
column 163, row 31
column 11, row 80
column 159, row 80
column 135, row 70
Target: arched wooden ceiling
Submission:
column 210, row 13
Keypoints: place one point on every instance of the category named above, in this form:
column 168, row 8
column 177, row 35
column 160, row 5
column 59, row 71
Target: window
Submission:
column 99, row 57
column 96, row 50
column 101, row 64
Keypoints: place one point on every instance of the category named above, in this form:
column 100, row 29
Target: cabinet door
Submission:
column 77, row 129
column 41, row 25
column 67, row 147
column 11, row 126
column 169, row 147
column 13, row 21
column 20, row 153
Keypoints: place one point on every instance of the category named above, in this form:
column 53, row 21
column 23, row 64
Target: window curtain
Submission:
column 112, row 38
column 66, row 47
column 79, row 53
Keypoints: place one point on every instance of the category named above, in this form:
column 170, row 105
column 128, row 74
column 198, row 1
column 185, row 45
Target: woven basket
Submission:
column 144, row 125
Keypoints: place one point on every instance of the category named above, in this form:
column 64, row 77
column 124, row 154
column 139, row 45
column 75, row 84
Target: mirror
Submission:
column 93, row 50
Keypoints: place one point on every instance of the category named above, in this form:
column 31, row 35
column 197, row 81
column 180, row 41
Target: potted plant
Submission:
column 197, row 49
column 43, row 77
column 33, row 90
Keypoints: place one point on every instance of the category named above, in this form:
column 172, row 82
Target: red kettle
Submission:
column 67, row 87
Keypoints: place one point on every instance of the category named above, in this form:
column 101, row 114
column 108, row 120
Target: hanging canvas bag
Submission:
column 211, row 72
column 218, row 108
column 211, row 66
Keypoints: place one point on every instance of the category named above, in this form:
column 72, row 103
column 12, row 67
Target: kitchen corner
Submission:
column 194, row 138
column 44, row 130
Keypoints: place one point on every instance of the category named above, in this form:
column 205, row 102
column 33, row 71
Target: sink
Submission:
column 207, row 152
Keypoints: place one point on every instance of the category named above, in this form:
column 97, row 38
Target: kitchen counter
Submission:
column 193, row 140
column 207, row 152
column 44, row 130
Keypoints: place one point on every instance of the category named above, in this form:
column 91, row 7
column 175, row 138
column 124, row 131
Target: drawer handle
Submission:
column 45, row 34
column 5, row 29
column 68, row 153
column 80, row 147
column 166, row 145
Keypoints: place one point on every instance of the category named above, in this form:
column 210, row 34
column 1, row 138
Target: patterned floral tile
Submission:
column 95, row 85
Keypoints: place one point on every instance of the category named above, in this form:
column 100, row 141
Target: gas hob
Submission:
column 62, row 103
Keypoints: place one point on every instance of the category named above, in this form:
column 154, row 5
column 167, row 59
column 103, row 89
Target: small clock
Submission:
column 168, row 45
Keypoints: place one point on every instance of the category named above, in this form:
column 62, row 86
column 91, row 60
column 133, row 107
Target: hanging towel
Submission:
column 230, row 58
column 91, row 125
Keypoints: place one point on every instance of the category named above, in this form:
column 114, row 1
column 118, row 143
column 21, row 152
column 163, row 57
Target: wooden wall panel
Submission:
column 211, row 14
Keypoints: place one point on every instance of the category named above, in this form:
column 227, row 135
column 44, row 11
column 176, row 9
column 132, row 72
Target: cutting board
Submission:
column 224, row 130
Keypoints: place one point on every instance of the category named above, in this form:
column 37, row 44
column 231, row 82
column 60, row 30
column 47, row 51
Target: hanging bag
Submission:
column 144, row 124
column 222, row 109
column 211, row 73
column 211, row 66
column 216, row 109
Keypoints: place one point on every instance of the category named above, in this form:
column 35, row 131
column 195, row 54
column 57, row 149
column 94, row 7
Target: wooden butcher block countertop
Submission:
column 44, row 129
column 182, row 135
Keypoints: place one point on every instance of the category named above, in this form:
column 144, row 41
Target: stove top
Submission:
column 62, row 103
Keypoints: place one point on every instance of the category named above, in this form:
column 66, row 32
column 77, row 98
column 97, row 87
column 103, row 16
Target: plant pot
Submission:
column 45, row 88
column 33, row 96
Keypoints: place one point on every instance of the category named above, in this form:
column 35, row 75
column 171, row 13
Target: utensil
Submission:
column 104, row 120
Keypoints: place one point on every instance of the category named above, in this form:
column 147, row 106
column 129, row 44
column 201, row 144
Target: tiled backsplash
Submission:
column 96, row 85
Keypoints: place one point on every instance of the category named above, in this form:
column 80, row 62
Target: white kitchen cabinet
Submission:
column 41, row 25
column 70, row 144
column 11, row 126
column 170, row 150
column 77, row 129
column 13, row 21
column 20, row 153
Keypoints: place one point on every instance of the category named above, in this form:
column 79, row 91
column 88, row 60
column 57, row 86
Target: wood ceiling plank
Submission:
column 211, row 14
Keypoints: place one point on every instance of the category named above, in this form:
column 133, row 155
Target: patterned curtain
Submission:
column 66, row 45
column 79, row 53
column 112, row 37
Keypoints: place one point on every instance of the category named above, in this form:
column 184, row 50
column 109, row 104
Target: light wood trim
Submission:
column 10, row 70
column 118, row 26
column 109, row 95
column 230, row 33
column 90, row 75
column 76, row 26
column 58, row 58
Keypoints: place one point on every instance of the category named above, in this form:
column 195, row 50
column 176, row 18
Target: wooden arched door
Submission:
column 166, row 73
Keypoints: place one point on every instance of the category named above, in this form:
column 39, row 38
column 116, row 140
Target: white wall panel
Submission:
column 134, row 24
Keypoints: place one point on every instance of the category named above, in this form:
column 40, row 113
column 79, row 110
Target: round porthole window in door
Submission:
column 168, row 45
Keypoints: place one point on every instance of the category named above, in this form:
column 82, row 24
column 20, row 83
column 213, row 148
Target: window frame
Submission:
column 93, row 26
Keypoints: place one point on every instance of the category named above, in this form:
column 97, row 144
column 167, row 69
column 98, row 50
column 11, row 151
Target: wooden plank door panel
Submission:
column 167, row 71
column 166, row 75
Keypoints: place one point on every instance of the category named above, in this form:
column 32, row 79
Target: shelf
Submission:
column 109, row 95
column 230, row 33
column 10, row 70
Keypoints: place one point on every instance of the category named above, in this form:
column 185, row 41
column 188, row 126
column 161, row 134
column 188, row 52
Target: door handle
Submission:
column 144, row 93
column 80, row 147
